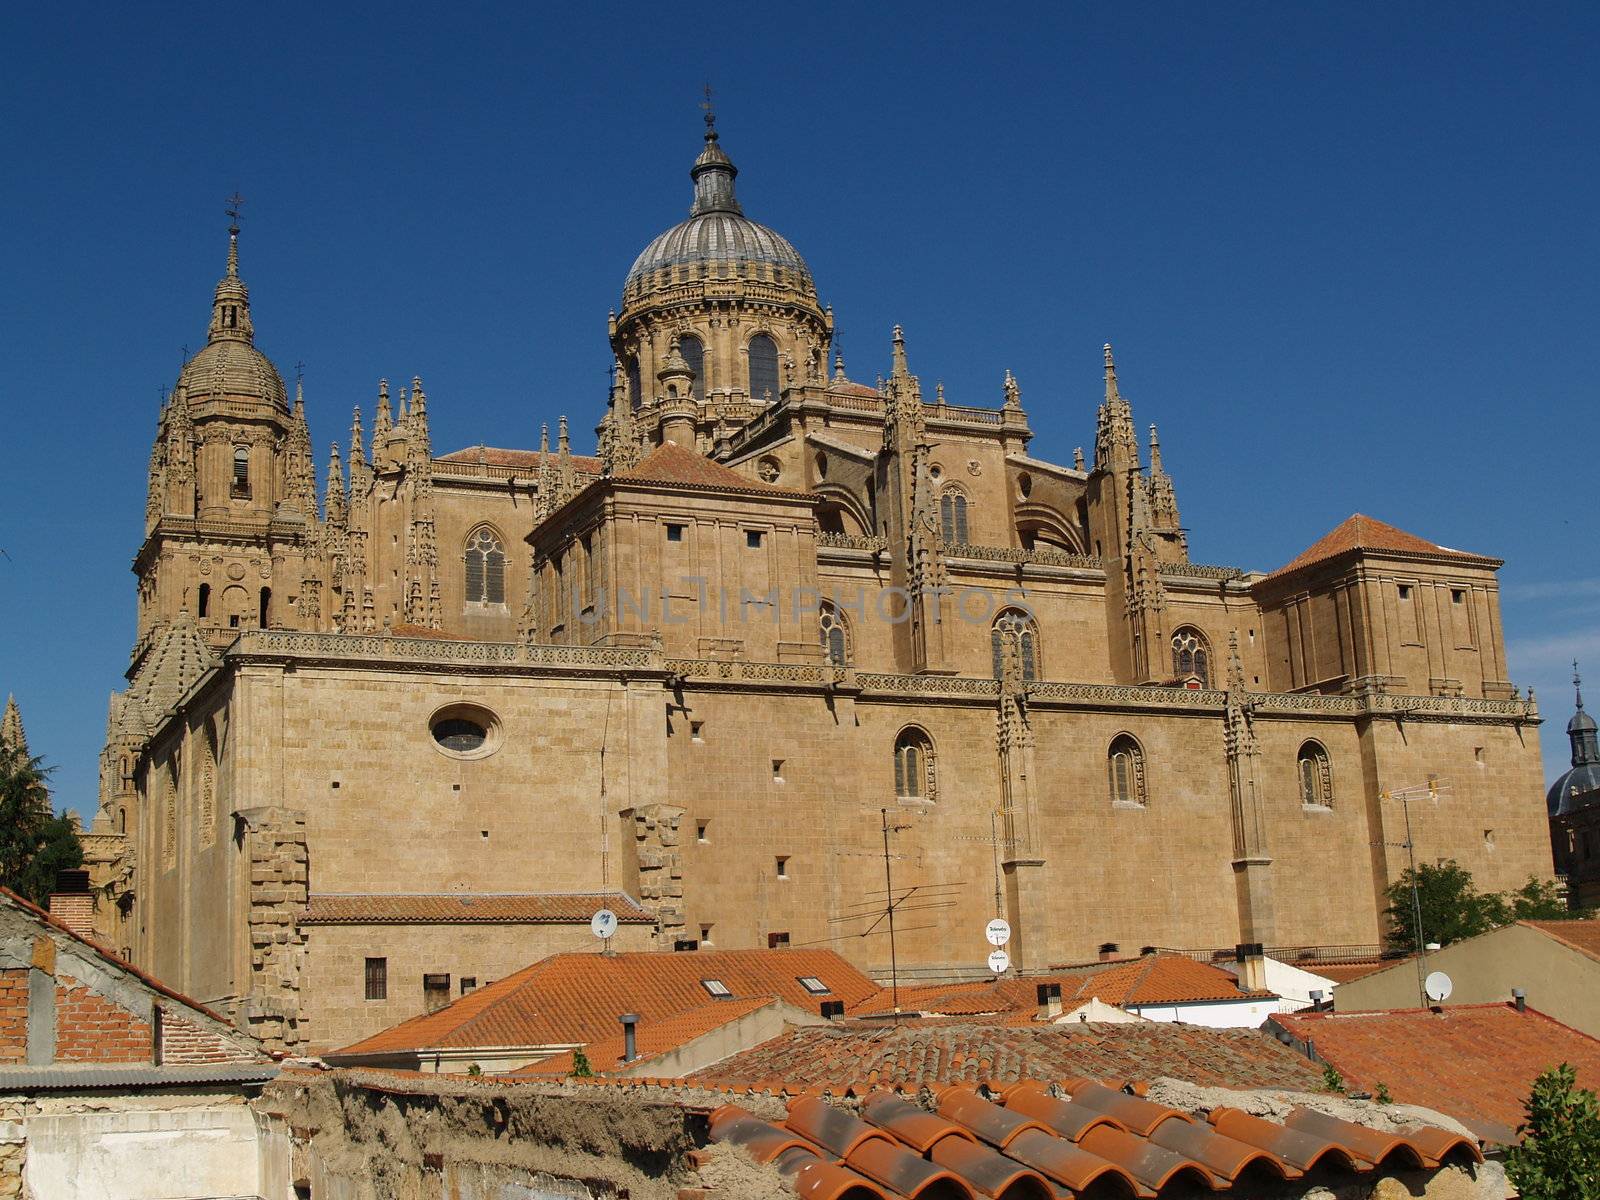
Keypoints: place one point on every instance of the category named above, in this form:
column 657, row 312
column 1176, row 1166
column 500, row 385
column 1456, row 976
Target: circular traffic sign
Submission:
column 603, row 924
column 998, row 931
column 999, row 960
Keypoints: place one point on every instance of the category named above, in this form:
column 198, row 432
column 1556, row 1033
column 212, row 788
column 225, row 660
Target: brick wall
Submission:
column 14, row 1015
column 89, row 1028
column 183, row 1041
column 75, row 910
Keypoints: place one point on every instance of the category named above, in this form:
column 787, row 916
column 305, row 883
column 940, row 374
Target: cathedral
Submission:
column 788, row 645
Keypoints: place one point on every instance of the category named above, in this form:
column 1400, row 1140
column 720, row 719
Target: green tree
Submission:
column 580, row 1065
column 35, row 842
column 1452, row 907
column 1558, row 1157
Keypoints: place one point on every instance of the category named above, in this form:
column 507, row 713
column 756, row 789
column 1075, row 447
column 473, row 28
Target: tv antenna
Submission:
column 1432, row 790
column 996, row 840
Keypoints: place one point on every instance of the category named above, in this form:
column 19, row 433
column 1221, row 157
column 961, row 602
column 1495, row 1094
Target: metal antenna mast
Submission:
column 1405, row 795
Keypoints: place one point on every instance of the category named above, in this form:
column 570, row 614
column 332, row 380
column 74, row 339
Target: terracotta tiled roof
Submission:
column 1345, row 972
column 1026, row 1143
column 925, row 1052
column 420, row 631
column 472, row 908
column 672, row 463
column 1156, row 979
column 1582, row 936
column 652, row 1038
column 527, row 460
column 1475, row 1062
column 847, row 388
column 1360, row 532
column 572, row 999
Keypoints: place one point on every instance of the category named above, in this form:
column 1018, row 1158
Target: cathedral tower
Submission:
column 231, row 509
column 735, row 298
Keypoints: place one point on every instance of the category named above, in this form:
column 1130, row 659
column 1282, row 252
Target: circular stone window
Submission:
column 465, row 731
column 935, row 471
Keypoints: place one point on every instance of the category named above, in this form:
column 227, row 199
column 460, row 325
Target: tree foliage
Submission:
column 580, row 1065
column 1453, row 908
column 1558, row 1157
column 35, row 842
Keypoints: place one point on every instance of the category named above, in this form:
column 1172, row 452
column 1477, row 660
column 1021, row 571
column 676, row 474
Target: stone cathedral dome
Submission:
column 229, row 365
column 717, row 241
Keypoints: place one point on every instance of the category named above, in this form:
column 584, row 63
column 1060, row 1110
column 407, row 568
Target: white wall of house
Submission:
column 1217, row 1014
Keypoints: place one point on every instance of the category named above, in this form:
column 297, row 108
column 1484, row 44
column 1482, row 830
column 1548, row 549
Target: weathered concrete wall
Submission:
column 144, row 1154
column 372, row 1135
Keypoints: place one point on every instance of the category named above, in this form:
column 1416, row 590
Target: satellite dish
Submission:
column 999, row 960
column 603, row 924
column 1438, row 986
column 998, row 931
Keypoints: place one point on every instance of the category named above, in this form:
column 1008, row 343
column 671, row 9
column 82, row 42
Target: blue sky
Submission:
column 1347, row 254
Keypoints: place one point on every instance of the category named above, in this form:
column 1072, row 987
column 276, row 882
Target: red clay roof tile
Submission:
column 576, row 998
column 473, row 908
column 1474, row 1062
column 652, row 1039
column 528, row 460
column 1582, row 936
column 1360, row 532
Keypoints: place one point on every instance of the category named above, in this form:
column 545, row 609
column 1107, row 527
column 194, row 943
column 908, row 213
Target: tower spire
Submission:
column 1577, row 684
column 230, row 304
column 713, row 172
column 1116, row 443
column 12, row 739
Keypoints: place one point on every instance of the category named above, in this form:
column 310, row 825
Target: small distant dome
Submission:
column 719, row 235
column 1579, row 787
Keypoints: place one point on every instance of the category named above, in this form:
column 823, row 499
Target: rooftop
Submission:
column 1030, row 1142
column 1475, row 1062
column 1360, row 532
column 864, row 1054
column 575, row 999
column 555, row 908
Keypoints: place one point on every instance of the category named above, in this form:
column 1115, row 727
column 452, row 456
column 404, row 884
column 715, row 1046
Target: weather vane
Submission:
column 711, row 116
column 235, row 207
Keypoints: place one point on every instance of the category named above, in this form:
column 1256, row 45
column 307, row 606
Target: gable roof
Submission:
column 569, row 999
column 1582, row 936
column 1361, row 532
column 242, row 1045
column 652, row 1038
column 917, row 1052
column 1475, row 1062
column 1155, row 979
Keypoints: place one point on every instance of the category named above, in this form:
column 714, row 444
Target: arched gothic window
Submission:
column 1018, row 628
column 1316, row 776
column 914, row 776
column 635, row 388
column 1125, row 770
column 763, row 352
column 835, row 636
column 694, row 353
column 486, row 567
column 953, row 517
column 1191, row 655
column 240, row 488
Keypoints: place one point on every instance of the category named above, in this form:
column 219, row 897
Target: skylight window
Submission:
column 813, row 985
column 717, row 988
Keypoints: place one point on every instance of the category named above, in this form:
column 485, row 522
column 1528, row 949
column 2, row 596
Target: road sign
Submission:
column 603, row 924
column 1438, row 986
column 998, row 931
column 999, row 960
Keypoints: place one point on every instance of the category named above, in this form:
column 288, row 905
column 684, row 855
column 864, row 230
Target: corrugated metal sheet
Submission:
column 27, row 1079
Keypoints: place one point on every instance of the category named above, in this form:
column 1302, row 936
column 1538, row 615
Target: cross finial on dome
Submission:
column 711, row 115
column 1577, row 684
column 235, row 207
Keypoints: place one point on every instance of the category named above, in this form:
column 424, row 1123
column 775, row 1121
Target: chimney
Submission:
column 72, row 903
column 1520, row 999
column 630, row 1046
column 1108, row 951
column 1049, row 1001
column 1316, row 999
column 1252, row 966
